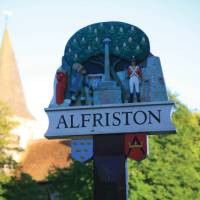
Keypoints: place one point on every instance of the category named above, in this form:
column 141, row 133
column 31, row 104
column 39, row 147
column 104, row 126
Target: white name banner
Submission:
column 152, row 118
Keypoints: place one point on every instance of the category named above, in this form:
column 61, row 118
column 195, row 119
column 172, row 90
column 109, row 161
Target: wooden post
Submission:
column 110, row 171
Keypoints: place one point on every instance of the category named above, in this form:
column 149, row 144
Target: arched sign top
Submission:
column 126, row 41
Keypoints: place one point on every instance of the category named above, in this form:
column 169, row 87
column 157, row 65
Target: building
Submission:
column 11, row 90
column 41, row 155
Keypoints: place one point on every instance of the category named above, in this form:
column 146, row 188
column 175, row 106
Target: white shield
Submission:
column 82, row 149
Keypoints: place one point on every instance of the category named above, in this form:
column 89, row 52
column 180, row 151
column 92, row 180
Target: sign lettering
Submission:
column 107, row 119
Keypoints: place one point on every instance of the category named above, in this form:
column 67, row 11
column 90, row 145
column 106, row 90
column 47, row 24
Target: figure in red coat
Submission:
column 134, row 74
column 61, row 86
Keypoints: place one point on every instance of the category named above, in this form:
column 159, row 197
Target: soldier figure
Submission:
column 134, row 74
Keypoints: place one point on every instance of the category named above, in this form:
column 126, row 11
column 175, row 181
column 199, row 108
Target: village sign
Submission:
column 109, row 95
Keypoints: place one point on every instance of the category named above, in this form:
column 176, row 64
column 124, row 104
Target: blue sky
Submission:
column 39, row 31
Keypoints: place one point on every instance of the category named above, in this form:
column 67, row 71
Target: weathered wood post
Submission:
column 110, row 172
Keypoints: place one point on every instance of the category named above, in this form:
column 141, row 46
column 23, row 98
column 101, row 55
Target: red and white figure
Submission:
column 134, row 74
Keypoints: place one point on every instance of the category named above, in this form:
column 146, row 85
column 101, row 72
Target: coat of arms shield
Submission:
column 136, row 146
column 82, row 149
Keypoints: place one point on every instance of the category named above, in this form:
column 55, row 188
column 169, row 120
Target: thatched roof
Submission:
column 42, row 156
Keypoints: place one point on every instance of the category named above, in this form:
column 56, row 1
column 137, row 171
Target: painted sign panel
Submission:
column 136, row 146
column 108, row 119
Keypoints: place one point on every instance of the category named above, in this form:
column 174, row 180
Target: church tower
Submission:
column 11, row 90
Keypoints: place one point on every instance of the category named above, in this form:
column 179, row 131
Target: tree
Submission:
column 23, row 188
column 6, row 142
column 72, row 183
column 172, row 170
column 13, row 187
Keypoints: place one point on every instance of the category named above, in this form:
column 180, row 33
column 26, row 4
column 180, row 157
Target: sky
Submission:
column 40, row 29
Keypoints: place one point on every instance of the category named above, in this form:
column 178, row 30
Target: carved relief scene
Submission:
column 116, row 52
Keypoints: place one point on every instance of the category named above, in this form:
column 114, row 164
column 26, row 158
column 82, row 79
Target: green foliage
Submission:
column 72, row 183
column 127, row 41
column 6, row 125
column 6, row 142
column 171, row 172
column 23, row 188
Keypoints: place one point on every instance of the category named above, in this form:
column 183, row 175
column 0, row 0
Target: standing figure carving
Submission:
column 134, row 74
column 78, row 84
column 61, row 86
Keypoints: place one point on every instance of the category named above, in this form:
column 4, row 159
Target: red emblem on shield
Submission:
column 136, row 146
